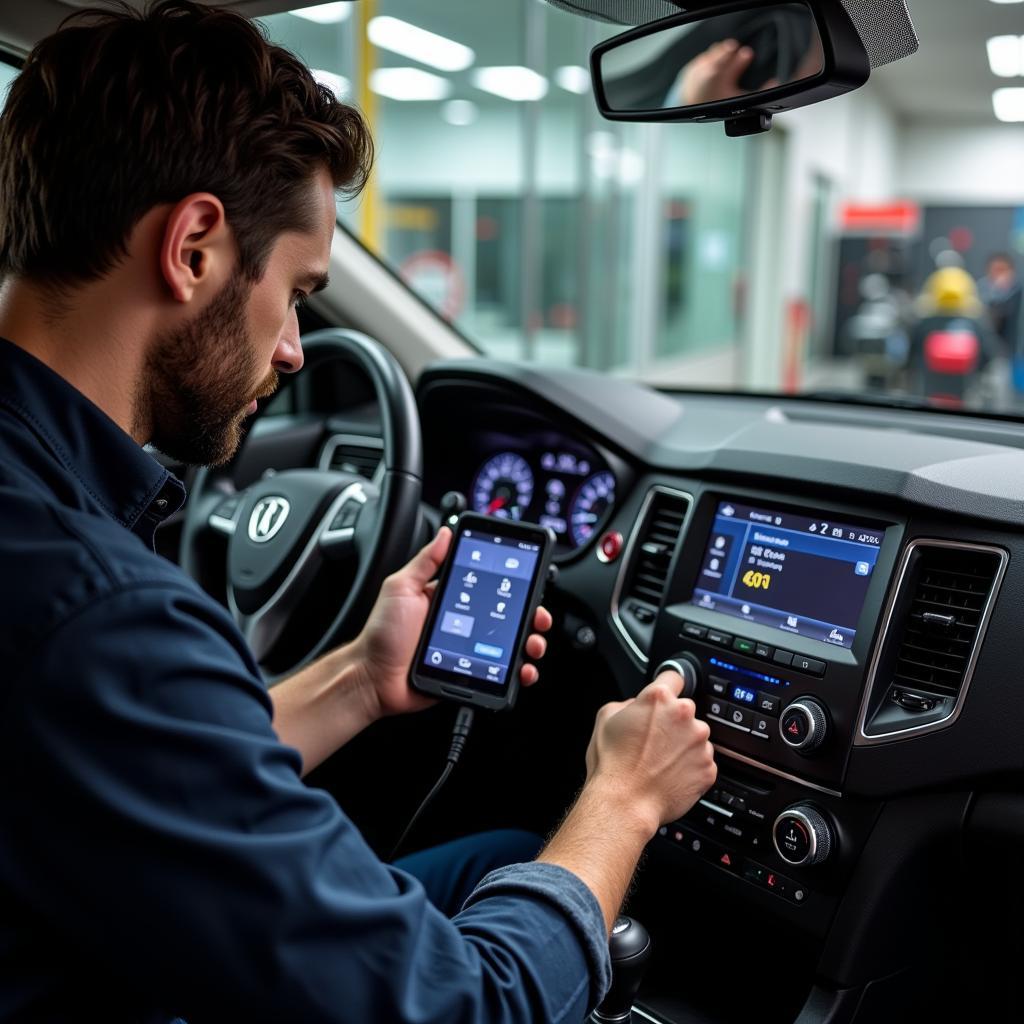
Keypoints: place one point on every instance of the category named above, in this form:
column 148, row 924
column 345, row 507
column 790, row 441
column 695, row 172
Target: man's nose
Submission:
column 288, row 357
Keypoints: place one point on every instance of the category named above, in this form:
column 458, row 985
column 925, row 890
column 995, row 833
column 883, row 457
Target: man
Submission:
column 1000, row 291
column 167, row 193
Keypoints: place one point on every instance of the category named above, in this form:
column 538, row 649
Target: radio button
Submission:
column 743, row 646
column 739, row 717
column 722, row 639
column 716, row 709
column 783, row 658
column 811, row 666
column 762, row 727
column 768, row 703
column 695, row 632
column 764, row 651
column 719, row 687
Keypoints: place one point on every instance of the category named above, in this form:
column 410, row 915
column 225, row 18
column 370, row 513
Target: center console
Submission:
column 772, row 612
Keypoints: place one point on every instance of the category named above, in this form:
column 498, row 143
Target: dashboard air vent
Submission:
column 645, row 575
column 655, row 545
column 356, row 456
column 950, row 591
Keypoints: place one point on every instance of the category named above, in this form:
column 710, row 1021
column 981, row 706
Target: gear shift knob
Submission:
column 630, row 948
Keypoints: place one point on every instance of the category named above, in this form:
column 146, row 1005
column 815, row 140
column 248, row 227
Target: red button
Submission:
column 610, row 546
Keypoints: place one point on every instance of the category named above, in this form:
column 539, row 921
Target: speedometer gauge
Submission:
column 589, row 506
column 503, row 487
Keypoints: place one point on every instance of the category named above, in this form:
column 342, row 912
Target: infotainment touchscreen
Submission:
column 803, row 573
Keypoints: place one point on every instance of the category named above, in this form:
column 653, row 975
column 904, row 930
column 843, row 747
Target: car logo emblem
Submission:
column 267, row 518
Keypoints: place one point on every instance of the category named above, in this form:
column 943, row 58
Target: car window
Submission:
column 502, row 197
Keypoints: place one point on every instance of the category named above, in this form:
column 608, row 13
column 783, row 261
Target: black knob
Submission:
column 630, row 947
column 453, row 504
column 685, row 665
column 804, row 725
column 803, row 836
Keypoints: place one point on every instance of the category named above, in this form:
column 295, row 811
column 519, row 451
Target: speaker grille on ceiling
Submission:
column 884, row 26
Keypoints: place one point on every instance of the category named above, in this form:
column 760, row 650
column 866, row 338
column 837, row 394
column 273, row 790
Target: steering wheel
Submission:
column 300, row 531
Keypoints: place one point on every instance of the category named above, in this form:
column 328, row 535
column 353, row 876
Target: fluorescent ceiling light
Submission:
column 418, row 44
column 511, row 83
column 325, row 14
column 409, row 84
column 573, row 78
column 1006, row 56
column 1007, row 1
column 459, row 112
column 338, row 84
column 1009, row 104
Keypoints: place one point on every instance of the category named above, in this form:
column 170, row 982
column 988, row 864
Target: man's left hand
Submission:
column 385, row 648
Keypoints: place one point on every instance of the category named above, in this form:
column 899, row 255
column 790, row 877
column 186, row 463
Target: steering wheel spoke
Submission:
column 308, row 549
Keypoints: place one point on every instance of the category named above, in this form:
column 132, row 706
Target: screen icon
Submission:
column 792, row 621
column 836, row 532
column 506, row 586
column 511, row 563
column 464, row 597
column 436, row 658
column 501, row 606
column 457, row 625
column 465, row 663
column 814, row 527
column 863, row 569
column 728, row 511
column 720, row 543
column 476, row 555
column 493, row 670
column 469, row 579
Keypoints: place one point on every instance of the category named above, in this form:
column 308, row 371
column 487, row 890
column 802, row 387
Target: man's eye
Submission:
column 299, row 299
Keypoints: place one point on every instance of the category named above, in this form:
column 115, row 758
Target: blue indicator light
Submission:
column 741, row 693
column 748, row 673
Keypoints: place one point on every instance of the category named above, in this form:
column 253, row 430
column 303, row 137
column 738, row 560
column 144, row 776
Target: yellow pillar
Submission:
column 369, row 207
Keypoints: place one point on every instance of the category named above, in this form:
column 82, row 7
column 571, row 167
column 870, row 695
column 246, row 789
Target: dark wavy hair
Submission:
column 119, row 111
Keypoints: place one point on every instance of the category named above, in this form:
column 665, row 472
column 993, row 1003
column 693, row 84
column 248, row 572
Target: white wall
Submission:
column 962, row 164
column 853, row 143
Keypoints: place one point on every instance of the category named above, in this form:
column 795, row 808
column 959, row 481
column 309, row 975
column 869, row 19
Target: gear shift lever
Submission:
column 630, row 948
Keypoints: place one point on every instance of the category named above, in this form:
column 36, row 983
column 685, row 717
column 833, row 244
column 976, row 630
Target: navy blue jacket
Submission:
column 159, row 853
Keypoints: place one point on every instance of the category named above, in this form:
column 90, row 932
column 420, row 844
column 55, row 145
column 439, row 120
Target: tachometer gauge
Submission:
column 503, row 487
column 589, row 506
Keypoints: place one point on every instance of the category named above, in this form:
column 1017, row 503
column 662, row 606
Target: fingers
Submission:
column 668, row 680
column 536, row 646
column 542, row 621
column 528, row 675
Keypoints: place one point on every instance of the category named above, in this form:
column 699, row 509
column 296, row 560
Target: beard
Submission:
column 200, row 380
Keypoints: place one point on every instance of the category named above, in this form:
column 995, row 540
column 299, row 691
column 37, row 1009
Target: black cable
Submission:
column 460, row 733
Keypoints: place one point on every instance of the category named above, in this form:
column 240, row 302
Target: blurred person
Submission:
column 951, row 344
column 1000, row 291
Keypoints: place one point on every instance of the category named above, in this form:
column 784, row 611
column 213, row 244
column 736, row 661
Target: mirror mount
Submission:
column 803, row 52
column 751, row 124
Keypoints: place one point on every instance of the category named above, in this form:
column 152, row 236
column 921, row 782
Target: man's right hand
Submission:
column 648, row 762
column 653, row 752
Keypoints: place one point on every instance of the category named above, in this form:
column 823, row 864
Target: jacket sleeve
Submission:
column 156, row 822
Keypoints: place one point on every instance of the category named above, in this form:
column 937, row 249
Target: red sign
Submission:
column 901, row 218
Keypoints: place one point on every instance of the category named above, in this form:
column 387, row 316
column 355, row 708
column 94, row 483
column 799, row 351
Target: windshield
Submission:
column 867, row 246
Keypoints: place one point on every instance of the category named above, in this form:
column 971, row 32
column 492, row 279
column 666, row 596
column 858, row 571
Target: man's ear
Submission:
column 196, row 248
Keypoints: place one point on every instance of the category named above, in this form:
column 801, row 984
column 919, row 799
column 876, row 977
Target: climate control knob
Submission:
column 804, row 725
column 803, row 836
column 685, row 665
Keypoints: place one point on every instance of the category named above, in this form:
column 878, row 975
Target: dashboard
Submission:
column 839, row 588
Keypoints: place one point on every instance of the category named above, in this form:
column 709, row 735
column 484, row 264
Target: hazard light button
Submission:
column 795, row 727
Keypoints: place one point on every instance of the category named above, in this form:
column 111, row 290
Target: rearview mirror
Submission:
column 740, row 63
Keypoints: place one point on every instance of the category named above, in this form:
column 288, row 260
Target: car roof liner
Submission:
column 884, row 26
